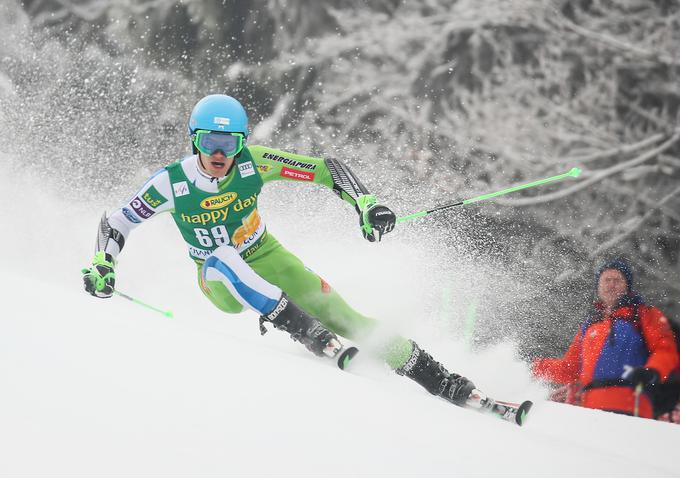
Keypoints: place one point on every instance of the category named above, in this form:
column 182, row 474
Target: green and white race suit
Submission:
column 216, row 216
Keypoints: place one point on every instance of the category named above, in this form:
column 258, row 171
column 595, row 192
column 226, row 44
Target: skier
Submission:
column 212, row 196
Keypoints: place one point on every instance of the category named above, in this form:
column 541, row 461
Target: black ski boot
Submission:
column 302, row 327
column 432, row 375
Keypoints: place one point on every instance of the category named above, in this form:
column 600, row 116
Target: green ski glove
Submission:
column 375, row 220
column 100, row 279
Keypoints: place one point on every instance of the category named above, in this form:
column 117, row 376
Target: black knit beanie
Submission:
column 620, row 265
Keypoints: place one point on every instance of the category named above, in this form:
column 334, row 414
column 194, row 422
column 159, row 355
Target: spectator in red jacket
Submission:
column 622, row 350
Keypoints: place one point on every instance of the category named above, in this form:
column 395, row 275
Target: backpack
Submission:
column 666, row 395
column 675, row 327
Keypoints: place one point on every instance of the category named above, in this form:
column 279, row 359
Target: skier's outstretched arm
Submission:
column 273, row 164
column 152, row 198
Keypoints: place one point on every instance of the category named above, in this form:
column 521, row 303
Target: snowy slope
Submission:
column 92, row 388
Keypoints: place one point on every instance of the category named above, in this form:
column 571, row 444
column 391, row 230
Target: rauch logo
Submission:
column 218, row 202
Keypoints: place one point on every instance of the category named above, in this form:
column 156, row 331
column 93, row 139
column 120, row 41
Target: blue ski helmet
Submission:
column 219, row 113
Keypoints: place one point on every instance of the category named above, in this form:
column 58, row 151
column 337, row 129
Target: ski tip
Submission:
column 523, row 411
column 346, row 357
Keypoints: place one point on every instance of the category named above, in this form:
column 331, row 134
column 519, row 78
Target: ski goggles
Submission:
column 210, row 142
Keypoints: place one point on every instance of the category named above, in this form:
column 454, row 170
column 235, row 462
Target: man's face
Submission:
column 611, row 286
column 216, row 165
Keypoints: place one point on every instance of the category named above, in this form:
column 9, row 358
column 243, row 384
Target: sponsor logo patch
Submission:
column 219, row 215
column 153, row 198
column 279, row 308
column 242, row 204
column 246, row 169
column 249, row 231
column 220, row 201
column 249, row 252
column 199, row 254
column 130, row 216
column 140, row 208
column 264, row 168
column 181, row 189
column 297, row 174
column 408, row 366
column 221, row 120
column 290, row 162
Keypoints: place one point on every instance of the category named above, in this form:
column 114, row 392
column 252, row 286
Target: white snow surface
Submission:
column 106, row 388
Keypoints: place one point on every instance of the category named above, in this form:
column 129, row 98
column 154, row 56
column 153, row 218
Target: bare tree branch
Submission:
column 658, row 122
column 616, row 43
column 618, row 151
column 633, row 226
column 598, row 176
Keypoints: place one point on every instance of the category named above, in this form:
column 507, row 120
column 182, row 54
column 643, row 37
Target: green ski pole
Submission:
column 573, row 172
column 166, row 313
